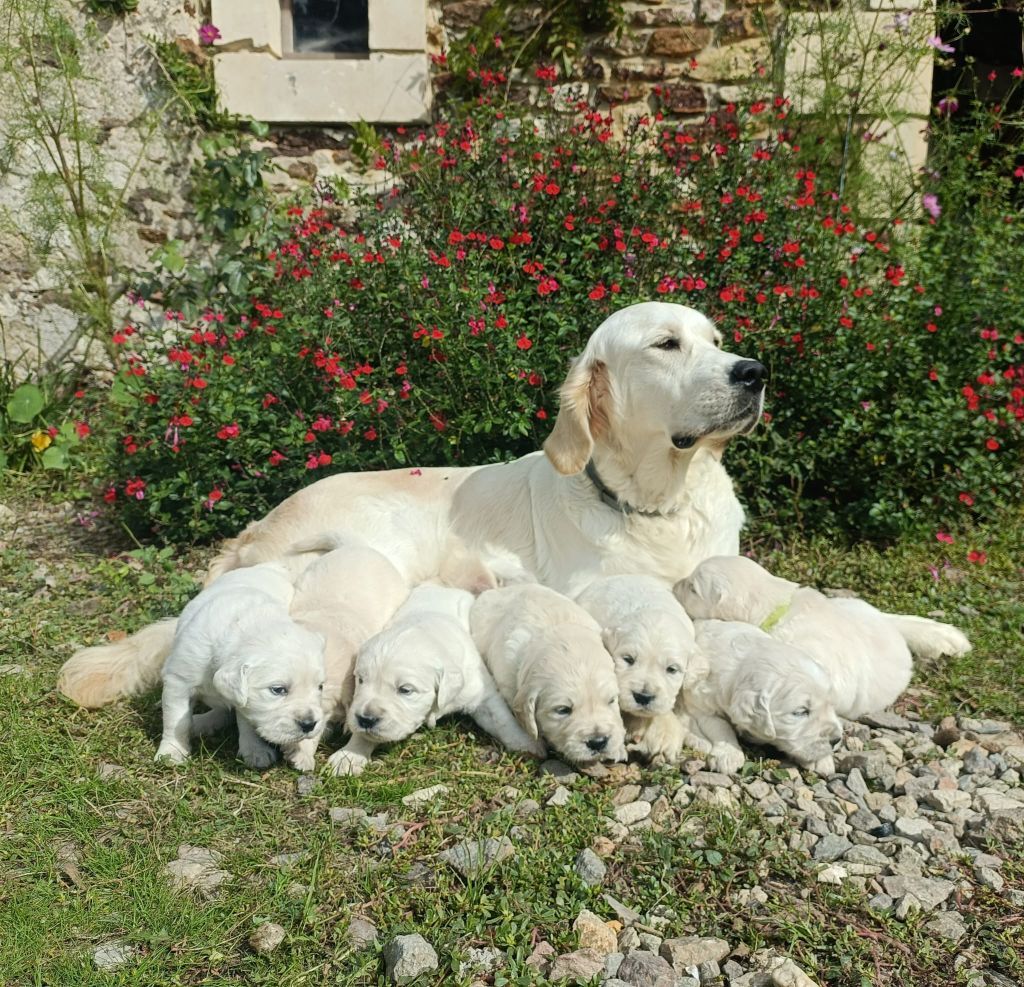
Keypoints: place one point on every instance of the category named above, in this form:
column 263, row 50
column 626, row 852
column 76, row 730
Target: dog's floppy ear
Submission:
column 584, row 414
column 525, row 708
column 232, row 682
column 750, row 711
column 449, row 685
column 610, row 639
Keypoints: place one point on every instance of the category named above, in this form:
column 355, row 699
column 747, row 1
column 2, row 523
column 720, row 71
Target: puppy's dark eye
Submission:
column 321, row 687
column 613, row 701
column 672, row 669
column 406, row 690
column 802, row 711
column 279, row 690
column 668, row 344
column 628, row 660
column 563, row 710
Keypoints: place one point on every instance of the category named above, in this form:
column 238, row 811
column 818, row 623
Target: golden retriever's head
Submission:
column 781, row 697
column 275, row 680
column 568, row 695
column 652, row 650
column 403, row 677
column 653, row 375
column 732, row 587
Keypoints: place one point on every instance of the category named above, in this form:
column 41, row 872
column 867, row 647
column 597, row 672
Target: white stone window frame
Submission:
column 254, row 76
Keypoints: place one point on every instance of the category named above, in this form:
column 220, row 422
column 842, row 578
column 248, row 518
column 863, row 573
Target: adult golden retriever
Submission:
column 630, row 481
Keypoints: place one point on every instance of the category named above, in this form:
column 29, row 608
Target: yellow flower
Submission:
column 40, row 441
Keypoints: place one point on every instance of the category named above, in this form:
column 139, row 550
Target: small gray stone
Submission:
column 643, row 969
column 423, row 796
column 471, row 858
column 830, row 847
column 947, row 925
column 624, row 913
column 989, row 878
column 306, row 784
column 887, row 720
column 408, row 957
column 948, row 800
column 880, row 903
column 590, row 867
column 361, row 933
column 481, row 960
column 866, row 855
column 560, row 796
column 560, row 771
column 785, row 973
column 196, row 869
column 917, row 830
column 266, row 938
column 113, row 955
column 632, row 812
column 985, row 726
column 629, row 939
column 855, row 782
column 929, row 892
column 713, row 779
column 527, row 808
column 691, row 951
column 612, row 962
column 345, row 816
column 594, row 934
column 581, row 964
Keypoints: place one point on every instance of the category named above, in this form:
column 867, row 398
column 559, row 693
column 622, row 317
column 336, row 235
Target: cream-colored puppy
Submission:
column 865, row 653
column 650, row 638
column 236, row 648
column 769, row 691
column 423, row 665
column 547, row 658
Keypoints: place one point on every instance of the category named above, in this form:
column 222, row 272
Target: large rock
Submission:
column 408, row 957
column 594, row 933
column 691, row 951
column 678, row 42
column 643, row 969
column 929, row 891
column 581, row 964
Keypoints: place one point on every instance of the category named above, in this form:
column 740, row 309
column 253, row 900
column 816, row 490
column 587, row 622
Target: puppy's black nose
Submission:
column 643, row 698
column 597, row 743
column 367, row 722
column 306, row 726
column 750, row 374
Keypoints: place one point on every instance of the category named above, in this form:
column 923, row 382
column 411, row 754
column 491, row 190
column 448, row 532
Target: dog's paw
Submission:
column 302, row 760
column 699, row 744
column 211, row 722
column 947, row 640
column 726, row 759
column 170, row 753
column 258, row 756
column 345, row 762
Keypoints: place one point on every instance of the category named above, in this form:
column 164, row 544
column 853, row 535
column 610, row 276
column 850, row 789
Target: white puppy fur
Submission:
column 651, row 402
column 772, row 692
column 864, row 652
column 423, row 665
column 236, row 648
column 650, row 637
column 549, row 662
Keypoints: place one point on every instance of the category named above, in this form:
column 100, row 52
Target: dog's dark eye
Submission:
column 613, row 701
column 279, row 690
column 321, row 687
column 802, row 711
column 667, row 344
column 563, row 710
column 672, row 669
column 628, row 660
column 406, row 690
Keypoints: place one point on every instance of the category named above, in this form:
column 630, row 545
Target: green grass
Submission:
column 119, row 833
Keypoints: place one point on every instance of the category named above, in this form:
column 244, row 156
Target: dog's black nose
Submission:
column 306, row 726
column 643, row 698
column 750, row 374
column 367, row 722
column 597, row 743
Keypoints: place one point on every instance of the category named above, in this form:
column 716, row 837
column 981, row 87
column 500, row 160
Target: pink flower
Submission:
column 930, row 201
column 937, row 43
column 948, row 105
column 208, row 34
column 944, row 537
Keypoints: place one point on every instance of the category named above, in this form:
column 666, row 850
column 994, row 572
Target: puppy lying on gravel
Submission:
column 650, row 638
column 423, row 665
column 549, row 663
column 865, row 653
column 769, row 691
column 236, row 648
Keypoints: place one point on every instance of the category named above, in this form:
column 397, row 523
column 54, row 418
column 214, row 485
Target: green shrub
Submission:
column 437, row 328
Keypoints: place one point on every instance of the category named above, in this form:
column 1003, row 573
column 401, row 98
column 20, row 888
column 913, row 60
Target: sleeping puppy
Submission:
column 769, row 691
column 236, row 648
column 864, row 651
column 650, row 638
column 423, row 665
column 547, row 658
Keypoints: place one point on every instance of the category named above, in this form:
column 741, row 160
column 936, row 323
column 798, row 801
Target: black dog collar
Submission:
column 610, row 498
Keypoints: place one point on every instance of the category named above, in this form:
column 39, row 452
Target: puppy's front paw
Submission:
column 170, row 753
column 661, row 737
column 824, row 766
column 345, row 762
column 302, row 760
column 949, row 640
column 258, row 756
column 698, row 744
column 726, row 759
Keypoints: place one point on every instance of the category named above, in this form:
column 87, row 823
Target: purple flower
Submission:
column 208, row 34
column 937, row 43
column 930, row 201
column 948, row 105
column 900, row 22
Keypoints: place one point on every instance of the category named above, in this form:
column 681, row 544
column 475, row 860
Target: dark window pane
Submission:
column 330, row 26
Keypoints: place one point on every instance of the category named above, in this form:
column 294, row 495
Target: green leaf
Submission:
column 55, row 458
column 25, row 403
column 713, row 857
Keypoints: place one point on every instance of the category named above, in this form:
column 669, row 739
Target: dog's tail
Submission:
column 96, row 676
column 928, row 638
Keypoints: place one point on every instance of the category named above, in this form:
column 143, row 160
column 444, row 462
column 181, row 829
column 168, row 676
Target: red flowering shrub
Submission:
column 437, row 328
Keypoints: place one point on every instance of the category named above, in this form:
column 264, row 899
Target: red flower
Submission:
column 598, row 292
column 275, row 457
column 978, row 558
column 135, row 488
column 228, row 431
column 542, row 414
column 82, row 429
column 524, row 343
column 966, row 498
column 370, row 434
column 992, row 445
column 110, row 495
column 944, row 537
column 438, row 420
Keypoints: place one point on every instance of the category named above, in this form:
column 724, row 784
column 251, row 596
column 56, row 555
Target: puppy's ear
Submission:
column 584, row 414
column 750, row 710
column 449, row 686
column 232, row 682
column 525, row 708
column 610, row 639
